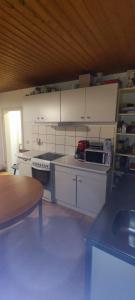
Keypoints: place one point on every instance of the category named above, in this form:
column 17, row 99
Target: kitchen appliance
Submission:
column 42, row 171
column 82, row 145
column 94, row 156
column 100, row 153
column 96, row 145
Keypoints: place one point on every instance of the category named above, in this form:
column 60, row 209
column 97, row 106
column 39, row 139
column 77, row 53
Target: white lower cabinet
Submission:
column 24, row 167
column 111, row 277
column 85, row 191
column 65, row 187
column 91, row 192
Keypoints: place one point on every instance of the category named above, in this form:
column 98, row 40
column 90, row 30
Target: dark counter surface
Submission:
column 101, row 233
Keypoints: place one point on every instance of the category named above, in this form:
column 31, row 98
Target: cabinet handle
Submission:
column 74, row 179
column 88, row 117
column 82, row 117
column 79, row 180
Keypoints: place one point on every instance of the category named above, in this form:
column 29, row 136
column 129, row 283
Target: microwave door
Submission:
column 95, row 157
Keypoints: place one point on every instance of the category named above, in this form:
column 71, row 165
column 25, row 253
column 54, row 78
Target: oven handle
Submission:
column 41, row 169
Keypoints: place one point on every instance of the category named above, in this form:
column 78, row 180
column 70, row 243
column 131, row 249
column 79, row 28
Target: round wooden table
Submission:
column 19, row 195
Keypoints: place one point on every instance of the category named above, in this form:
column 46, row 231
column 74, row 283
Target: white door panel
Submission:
column 101, row 103
column 65, row 188
column 73, row 105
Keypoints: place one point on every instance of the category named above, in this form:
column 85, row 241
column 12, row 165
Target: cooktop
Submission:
column 49, row 156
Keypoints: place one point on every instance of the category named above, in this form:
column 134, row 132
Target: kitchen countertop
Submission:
column 101, row 234
column 29, row 154
column 70, row 161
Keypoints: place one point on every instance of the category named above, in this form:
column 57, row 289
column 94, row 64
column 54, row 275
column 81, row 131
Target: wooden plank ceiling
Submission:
column 46, row 41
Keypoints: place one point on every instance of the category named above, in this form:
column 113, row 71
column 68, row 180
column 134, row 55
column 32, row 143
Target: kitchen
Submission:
column 73, row 124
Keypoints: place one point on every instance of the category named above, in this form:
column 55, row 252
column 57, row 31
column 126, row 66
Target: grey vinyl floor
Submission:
column 50, row 268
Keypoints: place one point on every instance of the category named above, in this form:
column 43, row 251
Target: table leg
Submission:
column 40, row 218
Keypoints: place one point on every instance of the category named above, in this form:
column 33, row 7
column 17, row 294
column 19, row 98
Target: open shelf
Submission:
column 120, row 172
column 128, row 134
column 126, row 154
column 127, row 90
column 127, row 114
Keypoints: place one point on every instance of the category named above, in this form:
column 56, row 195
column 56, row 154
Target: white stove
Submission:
column 42, row 170
column 42, row 162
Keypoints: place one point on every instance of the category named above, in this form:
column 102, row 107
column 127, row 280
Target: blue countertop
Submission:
column 101, row 233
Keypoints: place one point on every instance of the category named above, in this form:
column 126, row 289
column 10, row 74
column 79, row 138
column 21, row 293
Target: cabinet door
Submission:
column 45, row 105
column 25, row 169
column 65, row 188
column 30, row 108
column 111, row 278
column 101, row 103
column 49, row 105
column 73, row 105
column 91, row 192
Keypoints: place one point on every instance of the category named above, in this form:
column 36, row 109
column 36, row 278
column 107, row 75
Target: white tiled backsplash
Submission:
column 64, row 139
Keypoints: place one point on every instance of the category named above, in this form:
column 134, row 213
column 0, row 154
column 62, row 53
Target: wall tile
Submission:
column 42, row 129
column 70, row 141
column 34, row 137
column 65, row 140
column 93, row 131
column 69, row 150
column 42, row 147
column 35, row 146
column 70, row 131
column 45, row 146
column 50, row 147
column 60, row 139
column 35, row 128
column 60, row 130
column 60, row 149
column 50, row 138
column 81, row 131
column 50, row 129
column 107, row 131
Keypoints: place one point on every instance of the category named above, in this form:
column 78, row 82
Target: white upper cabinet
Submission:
column 49, row 106
column 101, row 103
column 73, row 105
column 42, row 107
column 91, row 104
column 30, row 108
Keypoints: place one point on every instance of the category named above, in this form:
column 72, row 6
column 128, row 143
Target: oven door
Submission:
column 43, row 176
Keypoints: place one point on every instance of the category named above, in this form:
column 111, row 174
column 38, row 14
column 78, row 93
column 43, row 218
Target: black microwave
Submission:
column 94, row 156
